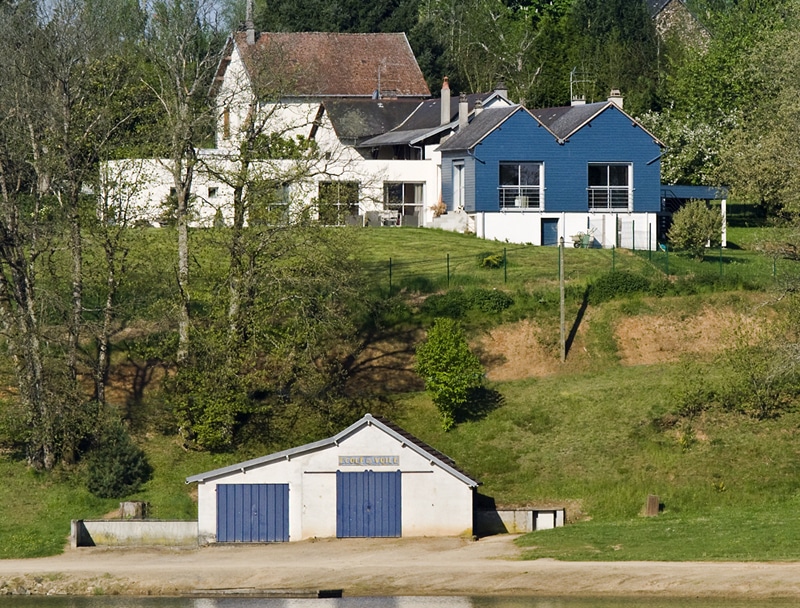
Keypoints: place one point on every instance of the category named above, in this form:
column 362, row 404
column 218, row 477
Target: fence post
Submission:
column 633, row 235
column 505, row 265
column 448, row 270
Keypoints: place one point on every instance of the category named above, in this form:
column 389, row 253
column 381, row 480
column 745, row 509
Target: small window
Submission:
column 212, row 191
column 403, row 197
column 521, row 185
column 226, row 123
column 609, row 187
column 337, row 202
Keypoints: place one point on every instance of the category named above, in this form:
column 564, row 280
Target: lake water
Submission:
column 381, row 602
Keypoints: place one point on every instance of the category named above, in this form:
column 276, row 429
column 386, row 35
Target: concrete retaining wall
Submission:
column 141, row 532
column 517, row 521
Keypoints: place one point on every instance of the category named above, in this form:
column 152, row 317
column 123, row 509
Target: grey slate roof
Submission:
column 481, row 125
column 425, row 121
column 404, row 438
column 356, row 119
column 564, row 121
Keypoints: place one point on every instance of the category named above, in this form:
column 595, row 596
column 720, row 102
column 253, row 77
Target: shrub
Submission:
column 491, row 300
column 620, row 283
column 453, row 305
column 117, row 467
column 487, row 259
column 693, row 226
column 450, row 370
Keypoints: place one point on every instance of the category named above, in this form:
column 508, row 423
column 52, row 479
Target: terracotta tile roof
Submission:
column 321, row 64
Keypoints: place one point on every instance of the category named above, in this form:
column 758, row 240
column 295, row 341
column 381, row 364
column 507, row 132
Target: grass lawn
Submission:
column 594, row 441
column 768, row 533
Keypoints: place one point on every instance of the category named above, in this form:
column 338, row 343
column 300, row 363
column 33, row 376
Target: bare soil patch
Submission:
column 648, row 339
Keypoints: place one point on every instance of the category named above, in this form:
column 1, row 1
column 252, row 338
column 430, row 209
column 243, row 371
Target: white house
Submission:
column 371, row 480
column 360, row 98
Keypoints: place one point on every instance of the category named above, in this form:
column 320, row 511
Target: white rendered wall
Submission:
column 434, row 502
column 525, row 227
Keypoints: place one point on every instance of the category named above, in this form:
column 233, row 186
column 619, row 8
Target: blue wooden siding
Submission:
column 610, row 138
column 469, row 181
column 252, row 513
column 520, row 138
column 368, row 504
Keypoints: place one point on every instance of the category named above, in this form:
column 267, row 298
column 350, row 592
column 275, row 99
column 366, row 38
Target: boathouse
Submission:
column 373, row 479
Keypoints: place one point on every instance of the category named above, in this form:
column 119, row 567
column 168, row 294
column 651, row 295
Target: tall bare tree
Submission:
column 184, row 48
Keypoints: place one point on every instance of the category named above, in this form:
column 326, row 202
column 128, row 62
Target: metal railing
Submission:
column 520, row 197
column 609, row 198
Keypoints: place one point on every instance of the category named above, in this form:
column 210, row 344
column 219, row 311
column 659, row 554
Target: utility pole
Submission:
column 561, row 290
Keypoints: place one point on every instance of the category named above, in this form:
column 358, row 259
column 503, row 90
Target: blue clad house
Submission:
column 535, row 176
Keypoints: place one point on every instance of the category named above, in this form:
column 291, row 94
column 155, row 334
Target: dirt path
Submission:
column 386, row 567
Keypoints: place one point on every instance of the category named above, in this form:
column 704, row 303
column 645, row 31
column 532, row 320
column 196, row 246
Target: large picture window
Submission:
column 338, row 202
column 403, row 197
column 521, row 185
column 610, row 186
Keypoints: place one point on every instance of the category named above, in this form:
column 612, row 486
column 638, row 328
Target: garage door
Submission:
column 253, row 513
column 368, row 504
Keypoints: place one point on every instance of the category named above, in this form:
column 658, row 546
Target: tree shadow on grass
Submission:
column 482, row 401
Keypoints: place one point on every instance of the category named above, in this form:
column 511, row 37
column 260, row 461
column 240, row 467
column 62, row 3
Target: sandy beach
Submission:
column 424, row 566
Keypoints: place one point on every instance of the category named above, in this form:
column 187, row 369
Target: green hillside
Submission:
column 596, row 434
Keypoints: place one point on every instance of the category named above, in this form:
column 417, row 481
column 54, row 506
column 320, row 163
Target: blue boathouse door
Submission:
column 253, row 513
column 549, row 231
column 368, row 504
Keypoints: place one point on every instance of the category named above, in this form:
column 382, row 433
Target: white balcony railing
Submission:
column 608, row 198
column 520, row 197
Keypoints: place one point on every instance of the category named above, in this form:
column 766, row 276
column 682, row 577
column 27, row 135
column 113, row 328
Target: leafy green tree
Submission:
column 694, row 226
column 614, row 42
column 450, row 370
column 272, row 369
column 762, row 153
column 117, row 467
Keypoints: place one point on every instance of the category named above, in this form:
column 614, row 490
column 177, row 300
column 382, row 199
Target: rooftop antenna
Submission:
column 578, row 81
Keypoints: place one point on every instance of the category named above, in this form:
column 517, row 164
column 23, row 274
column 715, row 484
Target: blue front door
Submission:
column 550, row 231
column 368, row 504
column 253, row 513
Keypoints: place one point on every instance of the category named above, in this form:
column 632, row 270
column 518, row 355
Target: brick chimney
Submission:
column 445, row 102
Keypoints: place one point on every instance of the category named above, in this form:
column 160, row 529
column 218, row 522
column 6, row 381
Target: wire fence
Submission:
column 526, row 267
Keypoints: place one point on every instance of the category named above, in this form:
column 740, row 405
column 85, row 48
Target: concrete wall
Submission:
column 91, row 533
column 517, row 521
column 626, row 230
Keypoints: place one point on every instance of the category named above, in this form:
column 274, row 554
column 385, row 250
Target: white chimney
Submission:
column 249, row 26
column 501, row 89
column 578, row 100
column 478, row 107
column 616, row 98
column 445, row 102
column 463, row 111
